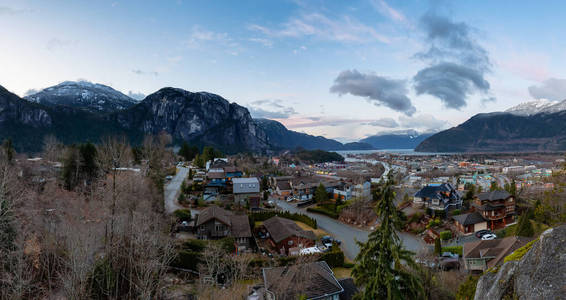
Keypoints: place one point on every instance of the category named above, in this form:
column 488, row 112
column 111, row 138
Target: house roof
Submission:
column 245, row 180
column 494, row 250
column 312, row 280
column 349, row 287
column 215, row 175
column 281, row 228
column 435, row 191
column 488, row 206
column 469, row 219
column 240, row 226
column 214, row 212
column 284, row 185
column 494, row 195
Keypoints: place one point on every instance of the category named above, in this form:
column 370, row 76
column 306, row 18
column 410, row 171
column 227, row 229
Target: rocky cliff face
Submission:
column 201, row 117
column 539, row 274
column 14, row 110
column 92, row 97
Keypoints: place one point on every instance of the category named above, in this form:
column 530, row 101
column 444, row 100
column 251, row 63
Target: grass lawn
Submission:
column 342, row 272
column 318, row 232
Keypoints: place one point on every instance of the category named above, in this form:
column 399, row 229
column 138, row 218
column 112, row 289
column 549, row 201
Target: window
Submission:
column 290, row 243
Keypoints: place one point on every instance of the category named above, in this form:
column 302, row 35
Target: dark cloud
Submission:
column 383, row 122
column 270, row 109
column 137, row 96
column 552, row 89
column 450, row 82
column 378, row 90
column 457, row 63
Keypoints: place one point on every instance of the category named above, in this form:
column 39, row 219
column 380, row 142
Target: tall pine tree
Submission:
column 383, row 266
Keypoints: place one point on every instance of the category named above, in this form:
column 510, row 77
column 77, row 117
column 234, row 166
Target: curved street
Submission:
column 172, row 189
column 349, row 234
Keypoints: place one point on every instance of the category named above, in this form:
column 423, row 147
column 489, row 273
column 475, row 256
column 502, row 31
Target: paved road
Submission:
column 172, row 190
column 349, row 234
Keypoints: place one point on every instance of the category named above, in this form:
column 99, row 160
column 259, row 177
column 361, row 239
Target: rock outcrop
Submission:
column 539, row 274
column 201, row 118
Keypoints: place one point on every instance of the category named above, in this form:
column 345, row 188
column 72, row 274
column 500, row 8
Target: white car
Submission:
column 488, row 237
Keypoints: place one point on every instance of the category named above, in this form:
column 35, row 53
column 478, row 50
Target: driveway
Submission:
column 349, row 234
column 172, row 190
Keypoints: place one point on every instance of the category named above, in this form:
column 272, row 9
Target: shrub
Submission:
column 519, row 253
column 334, row 258
column 415, row 218
column 194, row 245
column 445, row 235
column 264, row 215
column 258, row 263
column 286, row 260
column 228, row 244
column 323, row 211
column 103, row 279
column 467, row 290
column 437, row 246
column 187, row 259
column 456, row 212
column 183, row 214
column 454, row 249
column 348, row 265
column 524, row 226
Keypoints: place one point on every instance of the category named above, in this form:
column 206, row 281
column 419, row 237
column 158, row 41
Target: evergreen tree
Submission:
column 70, row 173
column 188, row 152
column 382, row 267
column 320, row 195
column 494, row 186
column 88, row 167
column 437, row 246
column 524, row 226
column 8, row 149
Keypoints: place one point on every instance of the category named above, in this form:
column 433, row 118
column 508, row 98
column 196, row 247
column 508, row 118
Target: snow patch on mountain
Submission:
column 538, row 106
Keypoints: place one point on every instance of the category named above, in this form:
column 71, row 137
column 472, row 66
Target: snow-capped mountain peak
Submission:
column 537, row 106
column 86, row 95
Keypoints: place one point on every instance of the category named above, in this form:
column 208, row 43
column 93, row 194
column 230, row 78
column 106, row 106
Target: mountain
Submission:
column 26, row 123
column 396, row 140
column 280, row 137
column 201, row 118
column 85, row 95
column 502, row 131
column 69, row 112
column 538, row 106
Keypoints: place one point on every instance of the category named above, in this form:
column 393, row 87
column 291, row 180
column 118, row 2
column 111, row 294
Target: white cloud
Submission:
column 344, row 29
column 422, row 122
column 390, row 12
column 384, row 122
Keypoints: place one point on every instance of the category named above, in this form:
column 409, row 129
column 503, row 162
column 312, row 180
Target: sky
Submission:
column 341, row 69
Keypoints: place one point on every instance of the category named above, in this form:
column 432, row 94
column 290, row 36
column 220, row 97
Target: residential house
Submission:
column 482, row 255
column 216, row 223
column 283, row 188
column 310, row 281
column 470, row 222
column 362, row 191
column 231, row 172
column 285, row 234
column 497, row 207
column 438, row 197
column 244, row 188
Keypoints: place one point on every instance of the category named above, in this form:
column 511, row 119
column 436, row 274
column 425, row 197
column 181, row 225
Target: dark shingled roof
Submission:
column 349, row 287
column 497, row 249
column 284, row 185
column 494, row 195
column 281, row 228
column 312, row 280
column 214, row 212
column 469, row 219
column 240, row 226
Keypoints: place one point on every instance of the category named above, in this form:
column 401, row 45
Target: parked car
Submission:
column 328, row 241
column 168, row 177
column 488, row 237
column 483, row 232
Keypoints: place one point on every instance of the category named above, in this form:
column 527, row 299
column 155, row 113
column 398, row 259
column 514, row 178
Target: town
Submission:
column 284, row 226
